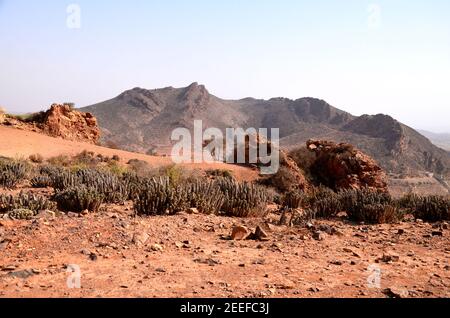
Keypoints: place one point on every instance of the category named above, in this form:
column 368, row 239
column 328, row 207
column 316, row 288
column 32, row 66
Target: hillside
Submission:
column 142, row 120
column 18, row 143
column 441, row 140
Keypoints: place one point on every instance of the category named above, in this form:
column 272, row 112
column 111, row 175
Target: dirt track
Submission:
column 117, row 256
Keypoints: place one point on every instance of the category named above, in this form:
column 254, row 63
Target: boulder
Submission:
column 341, row 166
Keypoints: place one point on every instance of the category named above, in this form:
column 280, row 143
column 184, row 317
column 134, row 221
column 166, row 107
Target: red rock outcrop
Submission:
column 341, row 166
column 61, row 121
column 65, row 122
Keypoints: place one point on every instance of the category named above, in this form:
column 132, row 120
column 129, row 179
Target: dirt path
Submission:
column 117, row 257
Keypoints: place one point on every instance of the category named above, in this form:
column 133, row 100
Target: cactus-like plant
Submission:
column 25, row 200
column 78, row 199
column 366, row 205
column 205, row 196
column 12, row 172
column 324, row 202
column 243, row 199
column 160, row 197
column 433, row 208
column 41, row 181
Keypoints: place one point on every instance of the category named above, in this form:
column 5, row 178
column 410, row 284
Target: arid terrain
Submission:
column 121, row 255
column 113, row 251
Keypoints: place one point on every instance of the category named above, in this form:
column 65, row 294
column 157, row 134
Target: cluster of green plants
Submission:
column 78, row 199
column 161, row 196
column 431, row 208
column 12, row 172
column 26, row 201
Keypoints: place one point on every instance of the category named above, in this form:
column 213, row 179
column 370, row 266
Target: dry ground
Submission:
column 117, row 256
column 15, row 143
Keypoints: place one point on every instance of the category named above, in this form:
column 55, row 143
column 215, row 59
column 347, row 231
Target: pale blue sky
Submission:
column 335, row 50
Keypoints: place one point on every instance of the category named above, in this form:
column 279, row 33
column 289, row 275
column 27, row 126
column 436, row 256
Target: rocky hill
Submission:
column 142, row 120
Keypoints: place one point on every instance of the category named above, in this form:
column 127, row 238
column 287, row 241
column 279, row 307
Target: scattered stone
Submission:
column 193, row 211
column 336, row 262
column 140, row 238
column 9, row 268
column 401, row 232
column 314, row 289
column 437, row 233
column 393, row 292
column 240, row 233
column 157, row 248
column 319, row 236
column 389, row 258
column 47, row 214
column 73, row 215
column 207, row 261
column 93, row 257
column 348, row 250
column 260, row 234
column 160, row 270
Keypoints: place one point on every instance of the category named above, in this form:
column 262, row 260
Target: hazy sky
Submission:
column 390, row 56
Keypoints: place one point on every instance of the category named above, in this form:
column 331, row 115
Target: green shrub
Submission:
column 79, row 199
column 205, row 196
column 369, row 206
column 433, row 208
column 294, row 199
column 324, row 202
column 160, row 197
column 25, row 200
column 243, row 199
column 12, row 172
column 41, row 181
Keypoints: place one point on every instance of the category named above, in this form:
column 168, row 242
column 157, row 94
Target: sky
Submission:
column 365, row 57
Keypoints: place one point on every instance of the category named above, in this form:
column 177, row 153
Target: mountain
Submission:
column 440, row 140
column 142, row 120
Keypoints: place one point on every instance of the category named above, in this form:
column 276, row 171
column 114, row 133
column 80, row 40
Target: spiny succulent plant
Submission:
column 25, row 200
column 205, row 196
column 41, row 181
column 21, row 214
column 323, row 202
column 366, row 205
column 78, row 199
column 12, row 172
column 432, row 208
column 243, row 199
column 160, row 197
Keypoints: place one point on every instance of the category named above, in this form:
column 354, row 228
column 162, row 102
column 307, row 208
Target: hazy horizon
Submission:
column 364, row 57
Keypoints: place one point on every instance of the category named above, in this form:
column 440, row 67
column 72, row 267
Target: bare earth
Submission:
column 117, row 256
column 15, row 143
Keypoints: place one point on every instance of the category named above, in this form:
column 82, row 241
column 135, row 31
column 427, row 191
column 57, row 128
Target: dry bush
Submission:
column 36, row 158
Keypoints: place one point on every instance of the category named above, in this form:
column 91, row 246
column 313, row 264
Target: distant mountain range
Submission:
column 142, row 120
column 440, row 140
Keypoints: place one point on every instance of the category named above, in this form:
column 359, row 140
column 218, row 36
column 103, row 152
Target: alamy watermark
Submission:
column 238, row 146
column 374, row 277
column 73, row 20
column 374, row 18
column 74, row 278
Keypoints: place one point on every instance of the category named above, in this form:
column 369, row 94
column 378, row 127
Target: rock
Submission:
column 319, row 236
column 336, row 262
column 393, row 292
column 47, row 214
column 160, row 270
column 93, row 257
column 342, row 166
column 140, row 238
column 389, row 258
column 156, row 248
column 8, row 268
column 207, row 261
column 437, row 233
column 193, row 211
column 260, row 234
column 240, row 233
column 73, row 215
column 86, row 252
column 65, row 122
column 85, row 212
column 401, row 232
